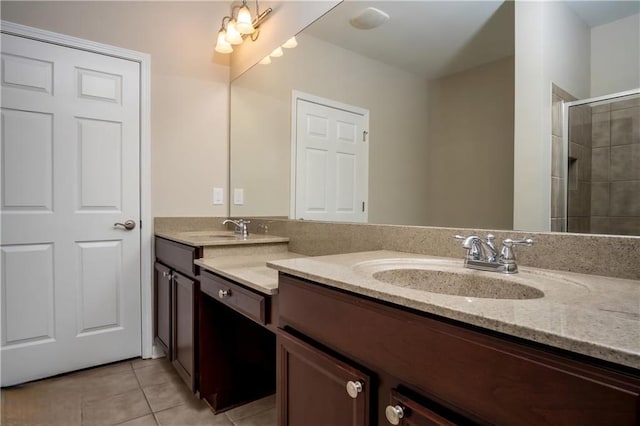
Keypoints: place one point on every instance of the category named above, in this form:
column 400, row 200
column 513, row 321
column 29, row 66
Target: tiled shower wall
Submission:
column 558, row 221
column 615, row 187
column 580, row 169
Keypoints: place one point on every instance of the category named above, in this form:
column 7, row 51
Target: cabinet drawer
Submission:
column 246, row 302
column 176, row 255
column 481, row 376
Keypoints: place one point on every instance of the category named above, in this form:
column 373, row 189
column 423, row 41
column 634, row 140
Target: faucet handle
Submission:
column 472, row 245
column 507, row 254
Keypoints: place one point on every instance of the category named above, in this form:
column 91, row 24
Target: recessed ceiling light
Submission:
column 369, row 18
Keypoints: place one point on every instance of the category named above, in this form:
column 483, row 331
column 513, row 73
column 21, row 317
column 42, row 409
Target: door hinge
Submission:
column 363, row 206
column 364, row 136
column 140, row 224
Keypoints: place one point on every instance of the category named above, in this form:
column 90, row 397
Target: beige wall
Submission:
column 615, row 56
column 396, row 100
column 189, row 87
column 471, row 134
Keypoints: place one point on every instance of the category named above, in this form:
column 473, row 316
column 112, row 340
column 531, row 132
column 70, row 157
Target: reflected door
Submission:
column 70, row 171
column 331, row 162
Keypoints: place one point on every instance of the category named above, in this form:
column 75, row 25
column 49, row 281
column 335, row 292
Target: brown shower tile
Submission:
column 557, row 225
column 625, row 198
column 556, row 117
column 600, row 129
column 600, row 199
column 115, row 409
column 579, row 224
column 580, row 200
column 625, row 162
column 600, row 225
column 627, row 103
column 556, row 197
column 596, row 109
column 625, row 226
column 556, row 156
column 600, row 164
column 625, row 126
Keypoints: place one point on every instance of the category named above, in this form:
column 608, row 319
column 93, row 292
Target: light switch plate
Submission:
column 218, row 196
column 238, row 196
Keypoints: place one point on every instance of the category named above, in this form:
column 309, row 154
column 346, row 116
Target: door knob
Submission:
column 354, row 388
column 394, row 414
column 128, row 225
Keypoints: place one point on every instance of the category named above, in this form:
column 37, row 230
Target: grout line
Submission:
column 155, row 419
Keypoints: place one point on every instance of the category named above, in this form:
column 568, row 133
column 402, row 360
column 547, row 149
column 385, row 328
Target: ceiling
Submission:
column 428, row 38
column 596, row 13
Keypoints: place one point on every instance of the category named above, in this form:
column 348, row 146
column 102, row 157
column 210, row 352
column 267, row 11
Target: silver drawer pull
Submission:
column 354, row 388
column 394, row 414
column 224, row 293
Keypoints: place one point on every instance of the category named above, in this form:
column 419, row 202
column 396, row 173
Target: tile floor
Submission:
column 129, row 393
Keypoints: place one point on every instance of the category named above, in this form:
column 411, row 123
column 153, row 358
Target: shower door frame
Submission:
column 565, row 140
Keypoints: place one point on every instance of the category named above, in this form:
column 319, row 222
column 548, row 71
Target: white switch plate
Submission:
column 238, row 196
column 218, row 196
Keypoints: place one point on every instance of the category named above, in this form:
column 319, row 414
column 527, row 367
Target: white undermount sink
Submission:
column 449, row 277
column 208, row 235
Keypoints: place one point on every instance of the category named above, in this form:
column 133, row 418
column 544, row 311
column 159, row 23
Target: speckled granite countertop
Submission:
column 219, row 238
column 588, row 314
column 250, row 270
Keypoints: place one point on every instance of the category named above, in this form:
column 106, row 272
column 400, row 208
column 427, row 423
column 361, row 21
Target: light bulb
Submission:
column 233, row 35
column 277, row 52
column 265, row 61
column 244, row 22
column 222, row 46
column 291, row 43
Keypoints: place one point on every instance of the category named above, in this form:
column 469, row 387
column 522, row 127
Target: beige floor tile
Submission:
column 141, row 363
column 95, row 388
column 37, row 404
column 147, row 420
column 167, row 395
column 156, row 374
column 266, row 418
column 115, row 409
column 252, row 408
column 191, row 414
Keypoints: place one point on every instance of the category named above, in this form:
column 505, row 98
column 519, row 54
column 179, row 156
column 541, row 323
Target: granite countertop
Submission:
column 250, row 270
column 588, row 314
column 219, row 238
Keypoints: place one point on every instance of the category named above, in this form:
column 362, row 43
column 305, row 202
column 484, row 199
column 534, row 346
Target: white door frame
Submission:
column 146, row 222
column 298, row 95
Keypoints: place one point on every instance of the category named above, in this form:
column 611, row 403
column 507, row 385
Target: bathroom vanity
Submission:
column 375, row 354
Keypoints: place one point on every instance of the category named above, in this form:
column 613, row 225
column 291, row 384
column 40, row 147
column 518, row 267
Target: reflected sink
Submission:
column 458, row 284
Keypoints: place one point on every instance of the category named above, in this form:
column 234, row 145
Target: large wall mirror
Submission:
column 437, row 82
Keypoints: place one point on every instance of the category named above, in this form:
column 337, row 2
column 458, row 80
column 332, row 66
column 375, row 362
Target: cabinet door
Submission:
column 162, row 306
column 405, row 411
column 183, row 327
column 316, row 389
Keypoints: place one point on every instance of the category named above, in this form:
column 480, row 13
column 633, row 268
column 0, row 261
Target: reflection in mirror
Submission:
column 603, row 185
column 438, row 81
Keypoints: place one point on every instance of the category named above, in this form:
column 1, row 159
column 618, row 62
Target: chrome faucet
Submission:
column 241, row 226
column 483, row 255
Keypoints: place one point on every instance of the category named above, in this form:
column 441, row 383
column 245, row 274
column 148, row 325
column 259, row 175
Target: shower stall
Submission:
column 601, row 165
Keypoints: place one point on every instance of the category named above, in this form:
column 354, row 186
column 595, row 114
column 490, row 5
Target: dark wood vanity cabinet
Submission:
column 237, row 348
column 435, row 371
column 176, row 291
column 316, row 389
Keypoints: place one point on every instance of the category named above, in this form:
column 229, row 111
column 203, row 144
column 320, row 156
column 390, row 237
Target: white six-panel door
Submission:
column 70, row 170
column 331, row 165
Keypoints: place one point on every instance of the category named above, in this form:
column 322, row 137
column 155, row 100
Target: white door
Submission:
column 331, row 165
column 70, row 170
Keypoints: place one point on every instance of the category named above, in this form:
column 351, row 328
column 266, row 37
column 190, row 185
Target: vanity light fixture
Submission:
column 265, row 61
column 277, row 52
column 291, row 43
column 239, row 25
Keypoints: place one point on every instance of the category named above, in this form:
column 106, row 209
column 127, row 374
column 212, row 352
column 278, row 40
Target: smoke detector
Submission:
column 369, row 18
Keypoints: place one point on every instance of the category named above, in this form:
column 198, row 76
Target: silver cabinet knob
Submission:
column 354, row 388
column 394, row 414
column 224, row 293
column 128, row 225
